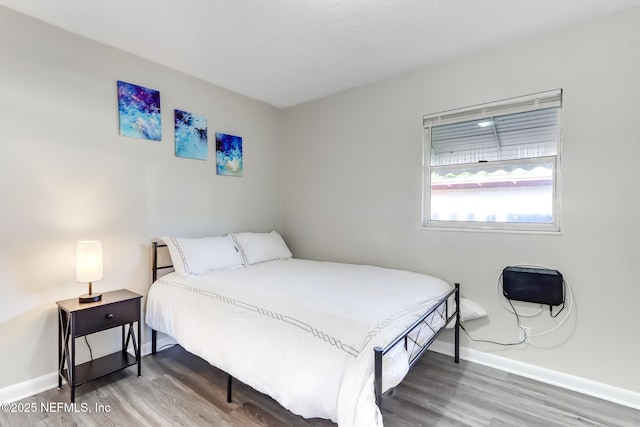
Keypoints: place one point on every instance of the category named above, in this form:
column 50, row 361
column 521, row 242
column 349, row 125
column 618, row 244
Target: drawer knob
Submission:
column 109, row 316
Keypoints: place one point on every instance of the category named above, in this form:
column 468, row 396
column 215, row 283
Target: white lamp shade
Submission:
column 88, row 261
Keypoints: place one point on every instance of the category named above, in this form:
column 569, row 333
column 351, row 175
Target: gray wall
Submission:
column 352, row 189
column 68, row 176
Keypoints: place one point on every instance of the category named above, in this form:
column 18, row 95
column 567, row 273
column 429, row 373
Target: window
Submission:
column 494, row 166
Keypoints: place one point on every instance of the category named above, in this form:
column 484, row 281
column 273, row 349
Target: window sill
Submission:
column 481, row 229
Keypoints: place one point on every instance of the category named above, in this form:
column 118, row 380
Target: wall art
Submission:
column 139, row 109
column 228, row 154
column 191, row 135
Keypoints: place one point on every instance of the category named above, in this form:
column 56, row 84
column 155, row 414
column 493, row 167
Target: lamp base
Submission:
column 90, row 298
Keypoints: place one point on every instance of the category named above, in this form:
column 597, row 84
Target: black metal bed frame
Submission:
column 405, row 338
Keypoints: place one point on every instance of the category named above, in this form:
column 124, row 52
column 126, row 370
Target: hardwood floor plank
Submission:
column 180, row 389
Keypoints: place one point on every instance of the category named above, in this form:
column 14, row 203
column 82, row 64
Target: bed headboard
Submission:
column 156, row 246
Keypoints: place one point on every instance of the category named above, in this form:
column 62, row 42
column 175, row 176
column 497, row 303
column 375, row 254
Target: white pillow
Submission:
column 199, row 256
column 261, row 247
column 469, row 310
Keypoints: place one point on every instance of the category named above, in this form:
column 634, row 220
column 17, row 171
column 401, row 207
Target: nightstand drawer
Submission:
column 107, row 316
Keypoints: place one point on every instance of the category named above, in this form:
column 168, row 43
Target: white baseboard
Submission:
column 570, row 382
column 28, row 388
column 46, row 382
column 163, row 340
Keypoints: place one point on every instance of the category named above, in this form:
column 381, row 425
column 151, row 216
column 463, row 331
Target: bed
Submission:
column 323, row 339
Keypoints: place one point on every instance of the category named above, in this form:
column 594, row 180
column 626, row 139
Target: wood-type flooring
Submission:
column 179, row 389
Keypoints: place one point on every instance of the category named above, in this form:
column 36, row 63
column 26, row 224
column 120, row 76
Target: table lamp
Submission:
column 89, row 267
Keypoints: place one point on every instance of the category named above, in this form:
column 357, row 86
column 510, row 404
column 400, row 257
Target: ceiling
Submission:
column 285, row 52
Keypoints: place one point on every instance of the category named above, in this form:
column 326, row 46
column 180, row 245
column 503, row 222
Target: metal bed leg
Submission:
column 154, row 268
column 457, row 327
column 229, row 385
column 154, row 341
column 377, row 381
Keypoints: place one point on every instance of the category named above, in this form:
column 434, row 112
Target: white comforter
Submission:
column 300, row 331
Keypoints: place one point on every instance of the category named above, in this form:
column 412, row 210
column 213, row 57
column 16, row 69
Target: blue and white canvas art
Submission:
column 139, row 109
column 191, row 135
column 228, row 154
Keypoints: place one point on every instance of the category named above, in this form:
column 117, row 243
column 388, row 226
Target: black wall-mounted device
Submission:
column 538, row 285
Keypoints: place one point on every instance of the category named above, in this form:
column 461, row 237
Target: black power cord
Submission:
column 90, row 352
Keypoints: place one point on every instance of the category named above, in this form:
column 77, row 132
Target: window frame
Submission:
column 483, row 111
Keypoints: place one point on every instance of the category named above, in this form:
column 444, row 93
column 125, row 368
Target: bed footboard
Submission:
column 403, row 339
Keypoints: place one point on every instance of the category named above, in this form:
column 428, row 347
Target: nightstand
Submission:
column 75, row 319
